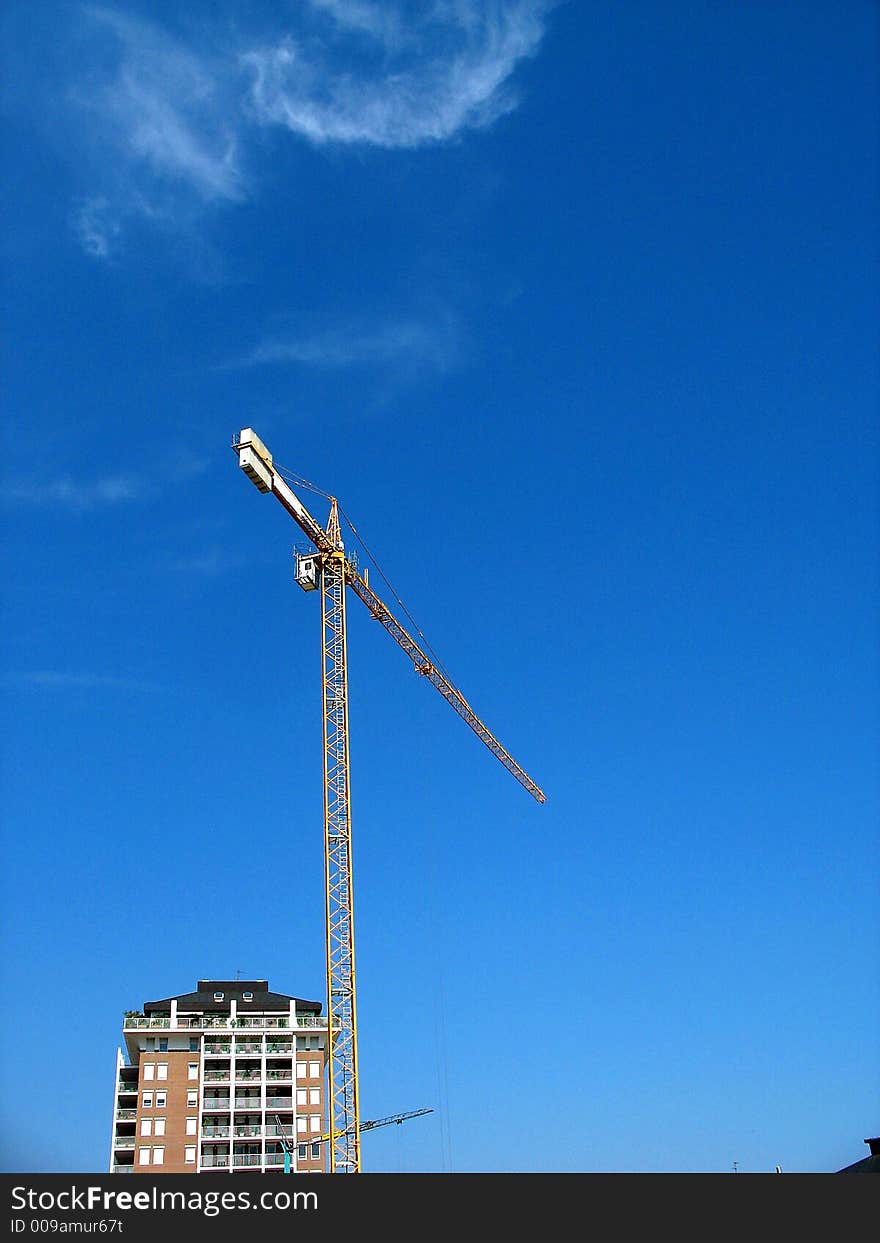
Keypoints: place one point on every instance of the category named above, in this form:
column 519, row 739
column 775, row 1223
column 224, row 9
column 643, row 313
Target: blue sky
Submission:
column 575, row 308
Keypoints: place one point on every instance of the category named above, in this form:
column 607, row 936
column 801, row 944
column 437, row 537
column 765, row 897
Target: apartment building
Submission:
column 221, row 1079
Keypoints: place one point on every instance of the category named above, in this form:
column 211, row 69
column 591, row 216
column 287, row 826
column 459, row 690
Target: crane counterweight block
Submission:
column 254, row 459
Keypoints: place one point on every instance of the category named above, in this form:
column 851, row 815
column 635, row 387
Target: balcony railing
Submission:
column 215, row 1132
column 279, row 1102
column 218, row 1048
column 246, row 1158
column 216, row 1076
column 250, row 1047
column 200, row 1022
column 247, row 1132
column 124, row 1169
column 123, row 1141
column 279, row 1076
column 126, row 1115
column 216, row 1163
column 216, row 1102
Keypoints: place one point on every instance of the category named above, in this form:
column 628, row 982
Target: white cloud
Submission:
column 172, row 117
column 57, row 680
column 112, row 490
column 96, row 224
column 457, row 76
column 402, row 342
column 380, row 21
column 170, row 107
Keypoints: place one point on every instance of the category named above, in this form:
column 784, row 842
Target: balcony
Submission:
column 279, row 1076
column 216, row 1076
column 211, row 1162
column 279, row 1102
column 123, row 1141
column 215, row 1132
column 124, row 1169
column 214, row 1049
column 198, row 1022
column 126, row 1115
column 216, row 1102
column 249, row 1047
column 247, row 1132
column 241, row 1159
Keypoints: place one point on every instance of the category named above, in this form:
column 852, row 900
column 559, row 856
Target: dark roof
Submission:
column 868, row 1165
column 203, row 999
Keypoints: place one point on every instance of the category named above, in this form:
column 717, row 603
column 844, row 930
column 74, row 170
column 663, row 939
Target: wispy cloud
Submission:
column 73, row 494
column 403, row 342
column 168, row 107
column 176, row 116
column 56, row 680
column 454, row 76
column 211, row 563
column 97, row 225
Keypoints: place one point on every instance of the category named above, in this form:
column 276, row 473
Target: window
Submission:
column 189, row 1155
column 314, row 1096
column 300, row 1096
column 247, row 996
column 300, row 1070
column 191, row 1126
column 192, row 1100
column 161, row 1098
column 301, row 1152
column 218, row 996
column 146, row 1126
column 158, row 1156
column 193, row 1044
column 163, row 1045
column 192, row 1070
column 144, row 1156
column 316, row 1151
column 314, row 1123
column 148, row 1100
column 159, row 1126
column 149, row 1070
column 300, row 1042
column 300, row 1124
column 314, row 1070
column 151, row 1043
column 161, row 1070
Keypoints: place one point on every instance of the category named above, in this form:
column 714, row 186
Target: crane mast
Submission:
column 342, row 1017
column 329, row 572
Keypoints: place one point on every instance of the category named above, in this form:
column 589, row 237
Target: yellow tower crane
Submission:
column 329, row 571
